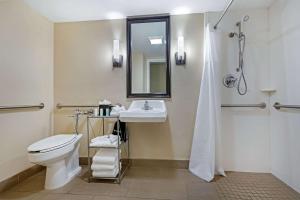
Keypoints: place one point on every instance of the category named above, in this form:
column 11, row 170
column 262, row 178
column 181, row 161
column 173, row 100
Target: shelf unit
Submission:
column 122, row 165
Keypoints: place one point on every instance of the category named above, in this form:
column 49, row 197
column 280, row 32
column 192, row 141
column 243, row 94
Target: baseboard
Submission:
column 175, row 164
column 18, row 178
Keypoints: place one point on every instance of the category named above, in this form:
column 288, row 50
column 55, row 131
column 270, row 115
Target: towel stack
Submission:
column 116, row 110
column 105, row 141
column 105, row 163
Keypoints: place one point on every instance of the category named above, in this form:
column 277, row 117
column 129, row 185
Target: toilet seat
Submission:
column 52, row 143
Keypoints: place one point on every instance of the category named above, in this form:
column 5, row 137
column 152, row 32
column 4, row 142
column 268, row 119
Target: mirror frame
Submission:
column 148, row 19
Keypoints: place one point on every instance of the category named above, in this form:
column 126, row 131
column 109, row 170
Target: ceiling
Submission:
column 140, row 33
column 84, row 10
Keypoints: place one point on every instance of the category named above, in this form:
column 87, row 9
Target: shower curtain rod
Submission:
column 223, row 14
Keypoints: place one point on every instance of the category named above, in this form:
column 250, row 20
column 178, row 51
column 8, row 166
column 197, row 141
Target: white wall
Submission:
column 26, row 65
column 245, row 132
column 285, row 70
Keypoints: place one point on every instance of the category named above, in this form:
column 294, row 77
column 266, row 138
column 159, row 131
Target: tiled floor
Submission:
column 157, row 183
column 254, row 186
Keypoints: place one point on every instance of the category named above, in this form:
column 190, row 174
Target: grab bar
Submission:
column 278, row 106
column 260, row 105
column 59, row 106
column 40, row 106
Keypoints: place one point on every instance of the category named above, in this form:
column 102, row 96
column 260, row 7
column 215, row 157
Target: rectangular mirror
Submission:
column 148, row 47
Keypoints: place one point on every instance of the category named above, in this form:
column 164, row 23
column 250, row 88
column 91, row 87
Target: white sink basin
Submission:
column 138, row 112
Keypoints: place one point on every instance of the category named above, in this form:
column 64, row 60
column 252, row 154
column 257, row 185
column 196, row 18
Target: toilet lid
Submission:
column 51, row 143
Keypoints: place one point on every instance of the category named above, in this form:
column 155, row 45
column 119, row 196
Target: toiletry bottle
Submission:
column 107, row 111
column 96, row 112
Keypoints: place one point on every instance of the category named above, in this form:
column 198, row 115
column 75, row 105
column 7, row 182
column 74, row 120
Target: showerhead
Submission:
column 246, row 18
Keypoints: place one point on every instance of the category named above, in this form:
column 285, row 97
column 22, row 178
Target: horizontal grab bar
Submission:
column 260, row 105
column 59, row 106
column 40, row 106
column 278, row 106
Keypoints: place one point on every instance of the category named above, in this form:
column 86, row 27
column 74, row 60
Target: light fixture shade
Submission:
column 117, row 57
column 180, row 56
column 180, row 46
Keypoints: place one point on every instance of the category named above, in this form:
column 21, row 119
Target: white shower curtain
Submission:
column 205, row 160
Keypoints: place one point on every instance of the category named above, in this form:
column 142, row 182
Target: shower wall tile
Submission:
column 284, row 71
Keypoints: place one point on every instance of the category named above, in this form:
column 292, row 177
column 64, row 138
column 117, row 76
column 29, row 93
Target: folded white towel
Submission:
column 101, row 144
column 105, row 160
column 106, row 138
column 105, row 102
column 105, row 174
column 105, row 141
column 106, row 156
column 103, row 167
column 116, row 110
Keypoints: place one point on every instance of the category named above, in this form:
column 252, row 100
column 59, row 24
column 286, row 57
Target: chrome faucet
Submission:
column 146, row 106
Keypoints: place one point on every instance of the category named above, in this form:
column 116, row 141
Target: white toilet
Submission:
column 60, row 154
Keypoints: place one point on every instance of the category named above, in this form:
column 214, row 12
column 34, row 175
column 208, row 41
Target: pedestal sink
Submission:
column 145, row 111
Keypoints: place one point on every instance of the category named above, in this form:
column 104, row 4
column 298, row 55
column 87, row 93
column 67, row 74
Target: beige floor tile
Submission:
column 19, row 195
column 157, row 190
column 201, row 191
column 141, row 183
column 136, row 173
column 117, row 198
column 161, row 174
column 32, row 184
column 68, row 187
column 106, row 189
column 64, row 197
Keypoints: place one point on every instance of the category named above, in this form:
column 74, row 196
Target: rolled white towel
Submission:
column 107, row 173
column 103, row 167
column 103, row 174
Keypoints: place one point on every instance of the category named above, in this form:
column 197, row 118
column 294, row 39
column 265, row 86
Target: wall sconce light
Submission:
column 117, row 57
column 180, row 55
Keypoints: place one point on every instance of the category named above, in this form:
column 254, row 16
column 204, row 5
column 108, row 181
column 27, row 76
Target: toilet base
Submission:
column 62, row 172
column 57, row 175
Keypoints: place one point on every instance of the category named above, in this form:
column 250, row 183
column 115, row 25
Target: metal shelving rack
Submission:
column 122, row 166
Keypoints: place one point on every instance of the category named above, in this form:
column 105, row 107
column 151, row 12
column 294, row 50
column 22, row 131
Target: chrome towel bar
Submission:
column 260, row 105
column 40, row 106
column 278, row 106
column 59, row 106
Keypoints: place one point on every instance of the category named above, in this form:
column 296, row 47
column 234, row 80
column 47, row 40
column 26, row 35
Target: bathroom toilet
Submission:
column 60, row 154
